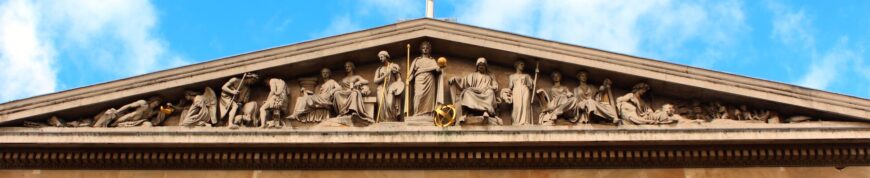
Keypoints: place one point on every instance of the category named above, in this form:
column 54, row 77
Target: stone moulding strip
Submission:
column 493, row 157
column 411, row 136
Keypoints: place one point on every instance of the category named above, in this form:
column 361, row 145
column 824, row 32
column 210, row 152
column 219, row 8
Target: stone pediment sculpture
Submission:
column 291, row 91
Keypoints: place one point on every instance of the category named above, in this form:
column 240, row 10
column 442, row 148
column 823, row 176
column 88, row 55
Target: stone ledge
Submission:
column 430, row 135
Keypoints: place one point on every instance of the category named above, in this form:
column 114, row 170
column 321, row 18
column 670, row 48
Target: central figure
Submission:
column 424, row 72
column 478, row 93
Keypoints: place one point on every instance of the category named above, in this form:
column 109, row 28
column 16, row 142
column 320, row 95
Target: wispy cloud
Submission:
column 791, row 27
column 398, row 9
column 108, row 38
column 372, row 9
column 828, row 68
column 339, row 25
column 842, row 64
column 659, row 28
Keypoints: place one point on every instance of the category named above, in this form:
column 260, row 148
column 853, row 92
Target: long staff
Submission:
column 535, row 81
column 383, row 95
column 233, row 99
column 408, row 81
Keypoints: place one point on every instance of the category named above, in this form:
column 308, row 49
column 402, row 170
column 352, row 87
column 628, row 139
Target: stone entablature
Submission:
column 433, row 147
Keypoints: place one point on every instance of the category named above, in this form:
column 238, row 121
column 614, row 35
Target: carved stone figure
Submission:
column 202, row 111
column 134, row 114
column 275, row 104
column 520, row 86
column 478, row 93
column 633, row 109
column 235, row 94
column 607, row 103
column 664, row 116
column 697, row 112
column 55, row 121
column 559, row 100
column 183, row 105
column 349, row 99
column 245, row 117
column 424, row 71
column 587, row 103
column 390, row 87
column 311, row 107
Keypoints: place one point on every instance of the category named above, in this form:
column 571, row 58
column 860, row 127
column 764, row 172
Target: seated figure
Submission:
column 478, row 94
column 315, row 107
column 634, row 110
column 349, row 99
column 275, row 104
column 589, row 101
column 556, row 103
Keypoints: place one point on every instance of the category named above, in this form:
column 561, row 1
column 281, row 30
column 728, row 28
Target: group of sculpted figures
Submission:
column 476, row 96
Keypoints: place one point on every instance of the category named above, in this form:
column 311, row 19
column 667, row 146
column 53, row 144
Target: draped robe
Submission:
column 478, row 92
column 389, row 89
column 520, row 86
column 349, row 99
column 423, row 71
column 316, row 106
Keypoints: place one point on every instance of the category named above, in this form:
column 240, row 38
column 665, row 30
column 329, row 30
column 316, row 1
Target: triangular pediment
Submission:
column 462, row 44
column 719, row 119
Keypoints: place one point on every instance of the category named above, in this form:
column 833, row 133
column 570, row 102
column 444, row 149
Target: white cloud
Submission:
column 642, row 27
column 381, row 9
column 830, row 67
column 112, row 37
column 399, row 9
column 118, row 34
column 791, row 27
column 840, row 64
column 339, row 25
column 26, row 58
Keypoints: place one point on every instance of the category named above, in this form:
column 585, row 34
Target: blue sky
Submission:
column 49, row 46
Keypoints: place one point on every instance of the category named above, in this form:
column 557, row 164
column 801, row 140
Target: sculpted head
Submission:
column 425, row 47
column 640, row 88
column 325, row 73
column 607, row 83
column 348, row 67
column 251, row 78
column 557, row 77
column 582, row 76
column 154, row 101
column 669, row 109
column 519, row 65
column 481, row 65
column 190, row 94
column 383, row 56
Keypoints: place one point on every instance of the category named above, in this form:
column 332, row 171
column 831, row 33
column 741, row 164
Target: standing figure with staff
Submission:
column 235, row 93
column 390, row 89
